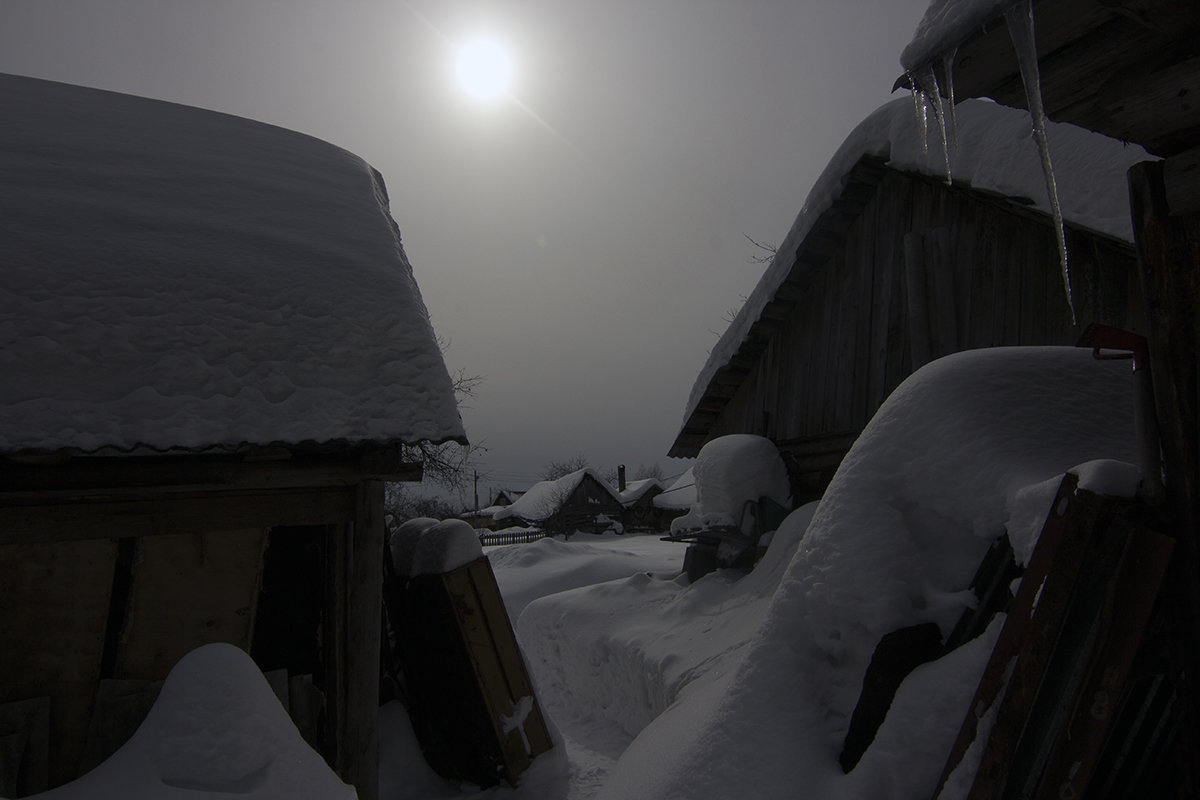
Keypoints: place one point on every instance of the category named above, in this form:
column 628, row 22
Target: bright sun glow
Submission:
column 484, row 69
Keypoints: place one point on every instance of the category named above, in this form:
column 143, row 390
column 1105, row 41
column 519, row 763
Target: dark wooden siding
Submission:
column 925, row 270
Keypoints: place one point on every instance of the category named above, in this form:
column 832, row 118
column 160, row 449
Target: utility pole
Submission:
column 476, row 496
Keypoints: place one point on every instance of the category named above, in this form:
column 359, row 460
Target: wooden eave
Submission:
column 82, row 497
column 1129, row 69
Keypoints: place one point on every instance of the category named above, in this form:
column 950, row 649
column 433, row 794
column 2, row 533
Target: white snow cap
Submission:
column 731, row 471
column 635, row 490
column 946, row 25
column 995, row 153
column 216, row 728
column 444, row 547
column 176, row 278
column 545, row 498
column 680, row 494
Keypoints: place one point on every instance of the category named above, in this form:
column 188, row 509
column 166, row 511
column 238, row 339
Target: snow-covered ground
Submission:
column 742, row 685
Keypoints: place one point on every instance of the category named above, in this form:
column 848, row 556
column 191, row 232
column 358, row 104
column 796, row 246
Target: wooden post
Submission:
column 358, row 751
column 1168, row 243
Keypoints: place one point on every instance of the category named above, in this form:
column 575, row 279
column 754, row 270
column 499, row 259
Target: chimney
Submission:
column 620, row 477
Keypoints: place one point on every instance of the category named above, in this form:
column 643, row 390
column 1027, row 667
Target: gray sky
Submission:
column 579, row 247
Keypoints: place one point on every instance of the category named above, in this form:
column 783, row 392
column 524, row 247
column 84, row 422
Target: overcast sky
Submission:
column 579, row 244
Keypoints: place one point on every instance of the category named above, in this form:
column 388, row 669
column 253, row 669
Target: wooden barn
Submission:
column 580, row 500
column 889, row 266
column 215, row 353
column 1130, row 71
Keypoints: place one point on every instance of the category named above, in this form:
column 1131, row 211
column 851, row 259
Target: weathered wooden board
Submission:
column 470, row 698
column 186, row 591
column 63, row 588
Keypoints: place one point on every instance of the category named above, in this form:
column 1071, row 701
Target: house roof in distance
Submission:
column 182, row 280
column 544, row 499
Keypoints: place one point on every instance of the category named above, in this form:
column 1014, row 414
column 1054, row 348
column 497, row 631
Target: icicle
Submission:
column 921, row 108
column 948, row 69
column 1020, row 28
column 927, row 80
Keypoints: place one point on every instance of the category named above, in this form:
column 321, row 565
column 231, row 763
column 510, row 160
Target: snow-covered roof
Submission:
column 946, row 24
column 176, row 278
column 544, row 499
column 994, row 153
column 679, row 495
column 636, row 490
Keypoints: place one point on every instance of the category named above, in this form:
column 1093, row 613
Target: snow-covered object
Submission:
column 947, row 24
column 544, row 499
column 679, row 495
column 216, row 729
column 636, row 490
column 994, row 153
column 403, row 543
column 729, row 472
column 937, row 474
column 176, row 278
column 445, row 546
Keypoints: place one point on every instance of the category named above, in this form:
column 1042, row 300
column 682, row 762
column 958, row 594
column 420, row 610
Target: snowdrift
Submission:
column 728, row 686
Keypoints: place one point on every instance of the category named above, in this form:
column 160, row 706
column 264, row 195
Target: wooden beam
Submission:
column 358, row 751
column 1169, row 254
column 137, row 475
column 105, row 518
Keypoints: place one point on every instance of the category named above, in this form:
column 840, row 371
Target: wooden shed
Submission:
column 890, row 266
column 215, row 352
column 1129, row 70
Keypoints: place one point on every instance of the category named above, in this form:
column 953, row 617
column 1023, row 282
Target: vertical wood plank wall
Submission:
column 924, row 271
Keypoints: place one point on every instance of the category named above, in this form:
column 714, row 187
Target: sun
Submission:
column 484, row 69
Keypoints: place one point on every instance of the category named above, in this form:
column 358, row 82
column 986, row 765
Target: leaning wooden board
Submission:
column 470, row 698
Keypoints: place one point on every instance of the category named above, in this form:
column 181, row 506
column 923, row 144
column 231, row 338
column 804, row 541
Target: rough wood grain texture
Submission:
column 61, row 588
column 359, row 748
column 1129, row 599
column 101, row 518
column 188, row 590
column 1169, row 254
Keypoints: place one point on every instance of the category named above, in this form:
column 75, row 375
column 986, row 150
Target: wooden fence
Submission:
column 514, row 537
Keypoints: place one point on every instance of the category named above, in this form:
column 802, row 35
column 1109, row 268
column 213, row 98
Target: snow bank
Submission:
column 729, row 472
column 216, row 729
column 609, row 659
column 994, row 153
column 936, row 475
column 526, row 572
column 178, row 278
column 445, row 546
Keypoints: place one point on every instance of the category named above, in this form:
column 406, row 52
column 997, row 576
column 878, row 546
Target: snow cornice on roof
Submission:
column 183, row 281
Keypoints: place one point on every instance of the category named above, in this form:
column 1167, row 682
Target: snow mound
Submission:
column 215, row 729
column 729, row 472
column 176, row 278
column 526, row 572
column 403, row 543
column 445, row 546
column 939, row 472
